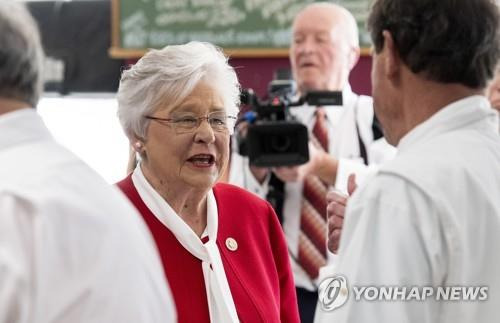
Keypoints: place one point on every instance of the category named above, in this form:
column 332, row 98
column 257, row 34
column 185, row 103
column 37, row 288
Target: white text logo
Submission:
column 416, row 293
column 333, row 292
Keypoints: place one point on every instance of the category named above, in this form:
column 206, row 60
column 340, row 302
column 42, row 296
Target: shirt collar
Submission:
column 348, row 94
column 220, row 301
column 466, row 112
column 20, row 126
column 166, row 215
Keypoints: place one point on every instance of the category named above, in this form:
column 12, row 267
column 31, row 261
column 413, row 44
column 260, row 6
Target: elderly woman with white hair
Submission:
column 222, row 248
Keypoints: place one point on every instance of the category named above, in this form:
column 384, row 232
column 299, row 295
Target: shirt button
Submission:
column 231, row 244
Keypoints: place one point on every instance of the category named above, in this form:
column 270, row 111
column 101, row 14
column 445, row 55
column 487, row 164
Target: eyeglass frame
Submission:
column 174, row 122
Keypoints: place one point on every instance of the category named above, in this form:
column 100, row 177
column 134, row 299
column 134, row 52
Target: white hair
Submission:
column 168, row 76
column 21, row 54
column 345, row 17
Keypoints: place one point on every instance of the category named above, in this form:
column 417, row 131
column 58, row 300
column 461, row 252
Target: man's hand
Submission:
column 288, row 173
column 335, row 210
column 298, row 173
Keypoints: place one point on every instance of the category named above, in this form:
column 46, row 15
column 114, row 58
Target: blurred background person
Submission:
column 430, row 217
column 324, row 49
column 72, row 248
column 222, row 248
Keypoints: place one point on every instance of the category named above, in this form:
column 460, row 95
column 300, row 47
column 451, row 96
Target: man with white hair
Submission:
column 324, row 50
column 72, row 249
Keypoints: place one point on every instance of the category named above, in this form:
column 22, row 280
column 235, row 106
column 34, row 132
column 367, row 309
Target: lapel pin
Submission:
column 231, row 244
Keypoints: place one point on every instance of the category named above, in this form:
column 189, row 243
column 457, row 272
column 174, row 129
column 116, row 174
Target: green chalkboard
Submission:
column 242, row 27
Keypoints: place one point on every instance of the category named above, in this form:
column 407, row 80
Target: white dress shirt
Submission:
column 72, row 248
column 343, row 144
column 430, row 217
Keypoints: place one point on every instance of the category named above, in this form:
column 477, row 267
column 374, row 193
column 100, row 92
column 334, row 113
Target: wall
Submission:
column 256, row 73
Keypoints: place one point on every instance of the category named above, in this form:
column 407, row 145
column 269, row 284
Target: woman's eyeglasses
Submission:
column 186, row 123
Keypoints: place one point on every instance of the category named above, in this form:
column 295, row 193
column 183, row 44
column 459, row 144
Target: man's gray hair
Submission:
column 21, row 54
column 165, row 77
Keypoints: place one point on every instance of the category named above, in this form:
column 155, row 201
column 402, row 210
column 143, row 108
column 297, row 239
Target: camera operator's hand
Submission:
column 322, row 165
column 288, row 173
column 335, row 210
column 298, row 173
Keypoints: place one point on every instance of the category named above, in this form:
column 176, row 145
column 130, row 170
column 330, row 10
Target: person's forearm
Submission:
column 326, row 169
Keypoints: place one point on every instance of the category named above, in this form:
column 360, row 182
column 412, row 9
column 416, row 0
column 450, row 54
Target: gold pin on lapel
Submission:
column 231, row 244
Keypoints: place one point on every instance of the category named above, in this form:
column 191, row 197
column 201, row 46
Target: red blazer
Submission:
column 258, row 272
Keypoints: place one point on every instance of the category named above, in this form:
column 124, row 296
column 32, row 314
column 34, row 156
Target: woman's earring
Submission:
column 138, row 146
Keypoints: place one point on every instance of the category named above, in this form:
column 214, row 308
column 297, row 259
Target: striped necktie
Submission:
column 312, row 235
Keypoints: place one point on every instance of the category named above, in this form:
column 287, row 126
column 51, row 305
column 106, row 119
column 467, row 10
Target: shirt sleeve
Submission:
column 52, row 258
column 347, row 167
column 391, row 237
column 16, row 250
column 379, row 152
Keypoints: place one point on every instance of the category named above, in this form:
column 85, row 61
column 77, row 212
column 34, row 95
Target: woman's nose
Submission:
column 204, row 132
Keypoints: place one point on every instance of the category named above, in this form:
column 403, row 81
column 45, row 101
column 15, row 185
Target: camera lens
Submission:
column 280, row 143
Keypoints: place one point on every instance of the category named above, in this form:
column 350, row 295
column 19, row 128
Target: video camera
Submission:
column 274, row 137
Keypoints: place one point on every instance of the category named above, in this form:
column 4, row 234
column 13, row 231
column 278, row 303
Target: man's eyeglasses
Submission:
column 186, row 123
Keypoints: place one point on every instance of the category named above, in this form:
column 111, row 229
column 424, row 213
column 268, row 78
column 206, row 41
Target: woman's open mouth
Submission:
column 202, row 160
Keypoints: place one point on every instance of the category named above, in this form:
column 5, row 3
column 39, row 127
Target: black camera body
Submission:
column 274, row 137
